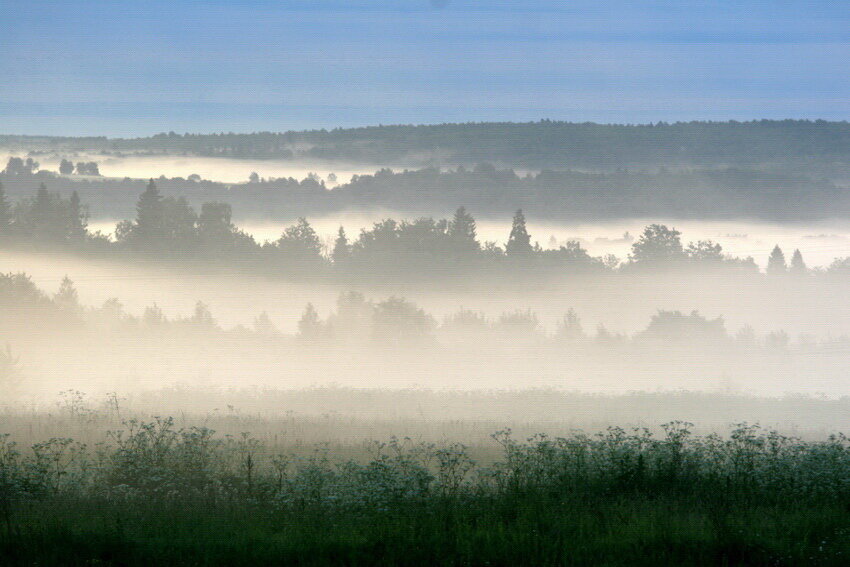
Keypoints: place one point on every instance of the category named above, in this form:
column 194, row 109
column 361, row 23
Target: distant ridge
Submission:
column 541, row 144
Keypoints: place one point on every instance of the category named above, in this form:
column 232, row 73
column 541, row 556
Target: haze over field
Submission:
column 424, row 282
column 734, row 281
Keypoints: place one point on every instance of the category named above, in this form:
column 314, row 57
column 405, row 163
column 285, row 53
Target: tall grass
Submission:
column 152, row 492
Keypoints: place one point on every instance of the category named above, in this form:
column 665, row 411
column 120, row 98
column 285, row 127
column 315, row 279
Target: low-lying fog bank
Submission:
column 346, row 416
column 220, row 169
column 812, row 308
column 55, row 342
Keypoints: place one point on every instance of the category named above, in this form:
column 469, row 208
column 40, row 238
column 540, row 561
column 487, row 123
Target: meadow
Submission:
column 114, row 484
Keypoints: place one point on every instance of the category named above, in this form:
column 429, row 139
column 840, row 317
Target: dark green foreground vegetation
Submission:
column 160, row 496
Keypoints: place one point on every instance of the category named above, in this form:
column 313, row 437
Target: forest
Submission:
column 170, row 227
column 543, row 144
column 424, row 282
column 563, row 194
column 418, row 391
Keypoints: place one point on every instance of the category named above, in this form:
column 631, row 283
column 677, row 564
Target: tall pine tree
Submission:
column 798, row 266
column 519, row 241
column 342, row 249
column 463, row 232
column 776, row 262
column 77, row 218
column 150, row 217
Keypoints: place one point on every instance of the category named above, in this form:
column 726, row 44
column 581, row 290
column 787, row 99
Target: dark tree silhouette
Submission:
column 519, row 241
column 798, row 266
column 67, row 298
column 705, row 251
column 658, row 244
column 214, row 223
column 46, row 219
column 300, row 242
column 342, row 249
column 179, row 223
column 776, row 262
column 19, row 166
column 462, row 231
column 147, row 231
column 77, row 218
column 66, row 167
column 87, row 168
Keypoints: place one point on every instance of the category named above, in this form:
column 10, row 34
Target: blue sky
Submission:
column 136, row 68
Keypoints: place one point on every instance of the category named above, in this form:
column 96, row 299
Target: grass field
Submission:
column 145, row 491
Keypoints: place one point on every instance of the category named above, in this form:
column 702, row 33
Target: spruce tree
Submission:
column 150, row 213
column 66, row 298
column 463, row 232
column 42, row 204
column 47, row 220
column 342, row 249
column 77, row 218
column 519, row 241
column 798, row 266
column 776, row 262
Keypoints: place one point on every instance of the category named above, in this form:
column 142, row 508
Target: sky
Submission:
column 120, row 68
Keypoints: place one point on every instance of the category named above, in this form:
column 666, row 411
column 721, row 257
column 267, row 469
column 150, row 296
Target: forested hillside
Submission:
column 492, row 192
column 543, row 144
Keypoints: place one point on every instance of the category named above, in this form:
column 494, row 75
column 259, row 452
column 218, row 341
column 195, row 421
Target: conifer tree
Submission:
column 519, row 241
column 41, row 206
column 77, row 218
column 67, row 298
column 46, row 218
column 798, row 266
column 150, row 213
column 342, row 249
column 463, row 232
column 776, row 262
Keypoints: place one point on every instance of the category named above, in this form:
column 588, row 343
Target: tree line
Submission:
column 359, row 322
column 719, row 191
column 169, row 226
column 544, row 143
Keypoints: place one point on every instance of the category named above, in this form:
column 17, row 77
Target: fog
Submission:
column 136, row 326
column 508, row 339
column 225, row 170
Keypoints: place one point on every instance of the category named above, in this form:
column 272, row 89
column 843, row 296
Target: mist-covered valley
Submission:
column 134, row 326
column 219, row 299
column 424, row 282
